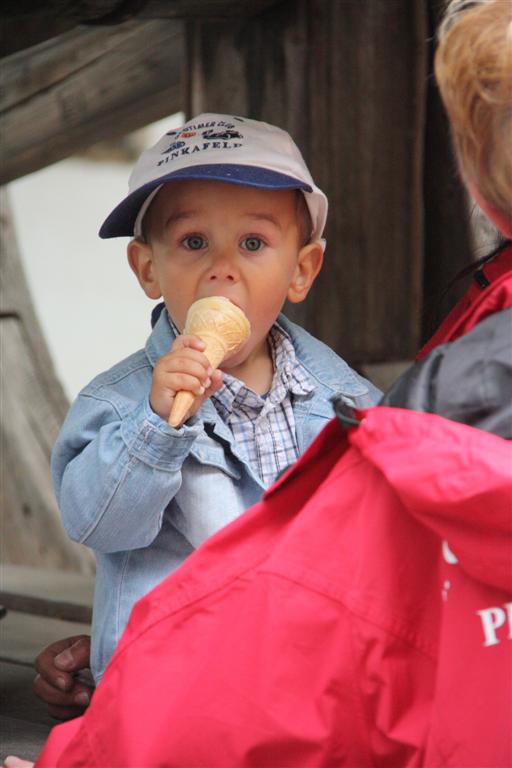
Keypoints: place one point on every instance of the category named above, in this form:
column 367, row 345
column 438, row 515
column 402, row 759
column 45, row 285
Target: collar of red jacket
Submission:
column 478, row 302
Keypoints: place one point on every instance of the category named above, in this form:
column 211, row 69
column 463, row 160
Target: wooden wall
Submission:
column 350, row 81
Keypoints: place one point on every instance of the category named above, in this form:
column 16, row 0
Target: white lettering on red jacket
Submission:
column 495, row 618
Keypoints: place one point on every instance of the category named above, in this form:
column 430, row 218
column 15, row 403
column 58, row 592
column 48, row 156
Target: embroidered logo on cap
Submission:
column 221, row 135
column 215, row 135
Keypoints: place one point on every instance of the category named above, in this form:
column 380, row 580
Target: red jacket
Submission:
column 478, row 302
column 360, row 615
column 315, row 629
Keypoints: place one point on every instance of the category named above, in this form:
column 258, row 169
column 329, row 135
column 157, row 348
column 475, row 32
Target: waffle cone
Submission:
column 224, row 329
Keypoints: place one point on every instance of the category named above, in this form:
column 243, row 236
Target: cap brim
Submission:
column 120, row 222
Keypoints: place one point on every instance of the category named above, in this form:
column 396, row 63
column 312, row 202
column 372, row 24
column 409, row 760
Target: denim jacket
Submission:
column 143, row 495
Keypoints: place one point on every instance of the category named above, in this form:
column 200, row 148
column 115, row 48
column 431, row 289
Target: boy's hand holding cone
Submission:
column 224, row 328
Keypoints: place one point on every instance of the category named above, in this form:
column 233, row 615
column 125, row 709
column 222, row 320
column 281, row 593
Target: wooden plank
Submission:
column 205, row 9
column 89, row 97
column 348, row 80
column 28, row 24
column 43, row 606
column 112, row 11
column 33, row 407
column 90, row 10
column 28, row 72
column 32, row 532
column 17, row 309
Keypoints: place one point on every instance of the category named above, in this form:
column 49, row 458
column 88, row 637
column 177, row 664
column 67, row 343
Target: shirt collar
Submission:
column 289, row 373
column 289, row 377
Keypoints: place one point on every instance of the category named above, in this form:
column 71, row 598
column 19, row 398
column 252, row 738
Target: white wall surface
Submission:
column 91, row 308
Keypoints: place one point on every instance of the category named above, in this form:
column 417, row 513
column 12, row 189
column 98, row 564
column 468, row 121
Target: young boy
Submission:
column 223, row 206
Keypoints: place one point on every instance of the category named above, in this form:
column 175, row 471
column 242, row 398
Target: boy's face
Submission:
column 208, row 238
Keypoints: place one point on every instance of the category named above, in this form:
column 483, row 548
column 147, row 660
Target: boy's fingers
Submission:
column 193, row 345
column 184, row 361
column 183, row 381
column 188, row 341
column 200, row 368
column 215, row 384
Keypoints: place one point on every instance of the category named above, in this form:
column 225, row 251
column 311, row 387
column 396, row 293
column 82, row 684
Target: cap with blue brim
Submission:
column 220, row 148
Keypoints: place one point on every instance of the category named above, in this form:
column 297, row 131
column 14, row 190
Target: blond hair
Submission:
column 473, row 68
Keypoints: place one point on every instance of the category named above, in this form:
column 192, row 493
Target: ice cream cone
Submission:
column 224, row 328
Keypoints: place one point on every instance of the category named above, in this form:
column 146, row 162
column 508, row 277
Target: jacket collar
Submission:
column 332, row 371
column 161, row 339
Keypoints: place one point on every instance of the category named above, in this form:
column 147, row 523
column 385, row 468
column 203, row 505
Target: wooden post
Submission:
column 349, row 81
column 33, row 406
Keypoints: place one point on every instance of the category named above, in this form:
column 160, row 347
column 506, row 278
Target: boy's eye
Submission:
column 194, row 242
column 252, row 243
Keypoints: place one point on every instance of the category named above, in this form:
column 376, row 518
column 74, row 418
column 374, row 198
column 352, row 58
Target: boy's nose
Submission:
column 223, row 267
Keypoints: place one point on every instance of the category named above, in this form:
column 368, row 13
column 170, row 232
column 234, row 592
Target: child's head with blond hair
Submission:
column 473, row 68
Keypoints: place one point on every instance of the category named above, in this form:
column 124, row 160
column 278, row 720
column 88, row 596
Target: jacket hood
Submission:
column 454, row 479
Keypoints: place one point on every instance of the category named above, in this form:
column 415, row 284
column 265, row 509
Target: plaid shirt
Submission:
column 264, row 427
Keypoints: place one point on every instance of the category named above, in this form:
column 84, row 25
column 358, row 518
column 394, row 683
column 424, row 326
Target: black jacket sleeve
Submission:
column 468, row 380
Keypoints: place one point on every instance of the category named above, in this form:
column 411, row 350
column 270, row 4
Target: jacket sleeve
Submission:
column 115, row 473
column 468, row 380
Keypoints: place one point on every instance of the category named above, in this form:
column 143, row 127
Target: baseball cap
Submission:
column 221, row 148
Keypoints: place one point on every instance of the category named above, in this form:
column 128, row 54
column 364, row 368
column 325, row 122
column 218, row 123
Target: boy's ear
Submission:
column 140, row 259
column 309, row 263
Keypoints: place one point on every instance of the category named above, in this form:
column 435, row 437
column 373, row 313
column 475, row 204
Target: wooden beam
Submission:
column 33, row 407
column 86, row 86
column 115, row 11
column 30, row 72
column 46, row 606
column 26, row 23
column 204, row 9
